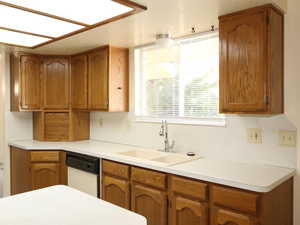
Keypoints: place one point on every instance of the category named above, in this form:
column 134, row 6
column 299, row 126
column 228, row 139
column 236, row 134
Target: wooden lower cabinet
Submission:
column 151, row 203
column 116, row 191
column 185, row 211
column 166, row 199
column 32, row 170
column 44, row 175
column 226, row 217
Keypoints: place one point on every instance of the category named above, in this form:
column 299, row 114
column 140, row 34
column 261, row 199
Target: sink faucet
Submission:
column 164, row 133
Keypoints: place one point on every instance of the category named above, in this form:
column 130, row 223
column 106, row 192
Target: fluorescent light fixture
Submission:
column 84, row 11
column 15, row 38
column 34, row 23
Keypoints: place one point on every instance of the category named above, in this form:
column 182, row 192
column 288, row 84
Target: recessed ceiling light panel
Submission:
column 34, row 23
column 15, row 38
column 84, row 11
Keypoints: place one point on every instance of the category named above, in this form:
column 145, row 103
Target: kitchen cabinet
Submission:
column 56, row 82
column 79, row 79
column 25, row 82
column 44, row 175
column 226, row 217
column 31, row 170
column 61, row 126
column 100, row 79
column 151, row 203
column 116, row 191
column 175, row 200
column 187, row 211
column 188, row 200
column 251, row 61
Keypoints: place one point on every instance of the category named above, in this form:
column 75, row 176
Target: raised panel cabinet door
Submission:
column 150, row 203
column 56, row 83
column 30, row 82
column 79, row 82
column 243, row 63
column 116, row 191
column 227, row 217
column 44, row 175
column 185, row 211
column 98, row 69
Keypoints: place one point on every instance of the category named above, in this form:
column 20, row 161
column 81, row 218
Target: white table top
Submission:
column 62, row 205
column 253, row 177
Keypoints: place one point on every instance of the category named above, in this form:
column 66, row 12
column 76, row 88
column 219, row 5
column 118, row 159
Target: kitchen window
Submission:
column 179, row 83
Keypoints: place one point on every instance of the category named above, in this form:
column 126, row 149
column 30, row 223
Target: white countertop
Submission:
column 253, row 177
column 62, row 205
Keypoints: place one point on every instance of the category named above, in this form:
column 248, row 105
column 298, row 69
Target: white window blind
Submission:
column 179, row 82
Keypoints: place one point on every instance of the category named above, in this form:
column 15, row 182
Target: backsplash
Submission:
column 228, row 143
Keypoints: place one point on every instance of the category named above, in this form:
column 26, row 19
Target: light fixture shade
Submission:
column 164, row 40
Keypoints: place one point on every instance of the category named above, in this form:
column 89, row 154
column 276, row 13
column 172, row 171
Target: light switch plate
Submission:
column 287, row 138
column 254, row 135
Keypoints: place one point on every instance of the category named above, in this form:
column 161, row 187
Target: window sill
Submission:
column 216, row 122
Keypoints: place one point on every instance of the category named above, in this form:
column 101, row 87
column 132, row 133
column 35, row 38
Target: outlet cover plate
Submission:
column 254, row 135
column 287, row 138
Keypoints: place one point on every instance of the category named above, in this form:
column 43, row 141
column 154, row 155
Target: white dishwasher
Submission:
column 83, row 173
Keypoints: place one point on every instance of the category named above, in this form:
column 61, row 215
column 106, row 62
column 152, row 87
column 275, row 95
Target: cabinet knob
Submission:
column 119, row 88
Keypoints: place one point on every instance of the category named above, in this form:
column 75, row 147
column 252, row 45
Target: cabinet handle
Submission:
column 266, row 99
column 119, row 88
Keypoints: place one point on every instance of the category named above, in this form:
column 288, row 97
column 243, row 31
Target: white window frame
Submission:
column 138, row 78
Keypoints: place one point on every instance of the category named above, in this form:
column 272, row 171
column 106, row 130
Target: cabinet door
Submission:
column 150, row 203
column 243, row 63
column 98, row 79
column 185, row 211
column 116, row 191
column 30, row 82
column 79, row 82
column 226, row 217
column 44, row 175
column 56, row 83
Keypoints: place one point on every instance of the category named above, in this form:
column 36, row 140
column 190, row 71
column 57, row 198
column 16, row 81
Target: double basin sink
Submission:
column 158, row 157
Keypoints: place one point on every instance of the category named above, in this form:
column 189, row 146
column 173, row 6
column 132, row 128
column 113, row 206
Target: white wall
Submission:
column 213, row 142
column 292, row 81
column 15, row 125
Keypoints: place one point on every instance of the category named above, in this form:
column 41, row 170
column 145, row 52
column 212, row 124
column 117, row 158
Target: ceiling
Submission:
column 174, row 16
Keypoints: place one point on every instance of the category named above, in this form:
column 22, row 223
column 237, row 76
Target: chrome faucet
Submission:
column 164, row 133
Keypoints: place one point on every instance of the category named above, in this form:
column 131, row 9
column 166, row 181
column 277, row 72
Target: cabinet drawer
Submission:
column 224, row 217
column 189, row 187
column 236, row 199
column 117, row 169
column 44, row 156
column 149, row 177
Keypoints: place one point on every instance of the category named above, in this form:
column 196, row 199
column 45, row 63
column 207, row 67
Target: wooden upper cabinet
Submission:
column 79, row 82
column 56, row 84
column 25, row 82
column 251, row 61
column 98, row 79
column 150, row 203
column 108, row 82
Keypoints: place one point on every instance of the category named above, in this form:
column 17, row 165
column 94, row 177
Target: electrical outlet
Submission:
column 254, row 135
column 287, row 138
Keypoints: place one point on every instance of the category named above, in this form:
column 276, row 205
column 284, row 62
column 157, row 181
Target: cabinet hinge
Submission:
column 266, row 100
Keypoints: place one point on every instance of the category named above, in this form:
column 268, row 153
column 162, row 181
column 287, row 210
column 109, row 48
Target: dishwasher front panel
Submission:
column 84, row 181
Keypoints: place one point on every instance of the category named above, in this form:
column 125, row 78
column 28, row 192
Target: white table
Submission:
column 62, row 205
